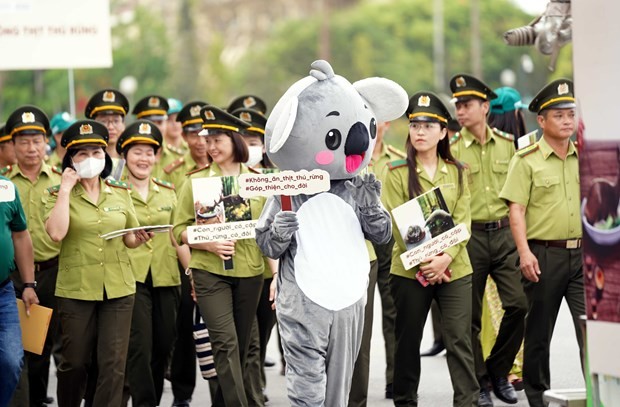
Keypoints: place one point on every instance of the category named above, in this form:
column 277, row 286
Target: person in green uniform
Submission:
column 110, row 107
column 28, row 127
column 154, row 264
column 174, row 146
column 95, row 286
column 227, row 297
column 183, row 362
column 542, row 189
column 429, row 165
column 196, row 157
column 380, row 261
column 58, row 124
column 155, row 109
column 486, row 152
column 16, row 251
column 256, row 382
column 7, row 152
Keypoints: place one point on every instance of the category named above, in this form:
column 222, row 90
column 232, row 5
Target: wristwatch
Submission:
column 30, row 285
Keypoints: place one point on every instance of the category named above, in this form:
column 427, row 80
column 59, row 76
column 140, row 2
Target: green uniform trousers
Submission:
column 436, row 319
column 388, row 312
column 561, row 277
column 494, row 253
column 359, row 383
column 93, row 327
column 153, row 331
column 413, row 302
column 228, row 307
column 183, row 362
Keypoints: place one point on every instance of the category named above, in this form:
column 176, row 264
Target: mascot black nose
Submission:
column 357, row 140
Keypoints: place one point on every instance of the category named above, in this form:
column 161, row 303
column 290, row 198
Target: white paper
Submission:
column 218, row 232
column 7, row 191
column 122, row 232
column 284, row 183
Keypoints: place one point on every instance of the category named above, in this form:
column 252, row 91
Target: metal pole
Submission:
column 71, row 93
column 438, row 45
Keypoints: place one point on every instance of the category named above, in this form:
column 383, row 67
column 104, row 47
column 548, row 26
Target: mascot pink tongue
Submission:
column 353, row 162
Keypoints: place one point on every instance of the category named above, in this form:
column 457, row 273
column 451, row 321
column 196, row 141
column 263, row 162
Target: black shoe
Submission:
column 181, row 403
column 48, row 400
column 389, row 393
column 269, row 362
column 484, row 400
column 436, row 349
column 504, row 391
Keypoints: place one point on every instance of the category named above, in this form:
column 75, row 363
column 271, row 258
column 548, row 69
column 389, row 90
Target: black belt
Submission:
column 563, row 244
column 47, row 264
column 491, row 226
column 5, row 282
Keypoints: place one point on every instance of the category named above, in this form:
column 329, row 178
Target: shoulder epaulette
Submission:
column 174, row 165
column 504, row 135
column 117, row 184
column 6, row 170
column 198, row 170
column 175, row 150
column 57, row 169
column 163, row 183
column 254, row 170
column 396, row 151
column 54, row 190
column 397, row 164
column 455, row 138
column 527, row 150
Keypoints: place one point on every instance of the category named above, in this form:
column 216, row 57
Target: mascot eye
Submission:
column 333, row 138
column 373, row 128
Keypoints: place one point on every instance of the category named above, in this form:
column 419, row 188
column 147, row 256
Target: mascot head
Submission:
column 325, row 122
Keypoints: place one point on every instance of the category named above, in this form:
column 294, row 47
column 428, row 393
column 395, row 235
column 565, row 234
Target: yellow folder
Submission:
column 34, row 326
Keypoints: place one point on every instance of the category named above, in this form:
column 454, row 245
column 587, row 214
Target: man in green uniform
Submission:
column 173, row 136
column 59, row 123
column 196, row 157
column 28, row 127
column 7, row 153
column 543, row 193
column 110, row 107
column 486, row 152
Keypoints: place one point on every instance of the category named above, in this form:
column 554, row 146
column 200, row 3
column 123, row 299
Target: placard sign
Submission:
column 44, row 34
column 284, row 183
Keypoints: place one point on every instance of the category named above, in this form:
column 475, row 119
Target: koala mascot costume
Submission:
column 325, row 122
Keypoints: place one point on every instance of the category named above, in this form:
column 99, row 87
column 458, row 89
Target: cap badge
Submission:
column 209, row 115
column 195, row 110
column 144, row 128
column 424, row 101
column 86, row 129
column 28, row 117
column 562, row 88
column 460, row 82
column 245, row 116
column 249, row 101
column 153, row 102
column 109, row 96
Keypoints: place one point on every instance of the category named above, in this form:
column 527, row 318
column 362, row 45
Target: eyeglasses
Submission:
column 426, row 126
column 115, row 121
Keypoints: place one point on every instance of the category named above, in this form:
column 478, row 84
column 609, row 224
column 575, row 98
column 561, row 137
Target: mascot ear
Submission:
column 284, row 124
column 387, row 99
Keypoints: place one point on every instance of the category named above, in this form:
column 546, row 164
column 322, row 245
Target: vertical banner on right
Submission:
column 596, row 59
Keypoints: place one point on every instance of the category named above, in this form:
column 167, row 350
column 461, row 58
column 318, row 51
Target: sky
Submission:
column 532, row 6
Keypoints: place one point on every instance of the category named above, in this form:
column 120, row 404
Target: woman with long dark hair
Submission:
column 430, row 165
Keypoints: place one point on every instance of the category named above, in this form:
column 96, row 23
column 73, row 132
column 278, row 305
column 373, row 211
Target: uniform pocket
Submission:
column 70, row 273
column 545, row 189
column 472, row 174
column 123, row 261
column 500, row 167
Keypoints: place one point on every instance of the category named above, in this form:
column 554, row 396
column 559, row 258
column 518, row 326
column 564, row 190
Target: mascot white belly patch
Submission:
column 331, row 263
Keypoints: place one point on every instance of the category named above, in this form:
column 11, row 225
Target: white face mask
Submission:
column 255, row 155
column 90, row 167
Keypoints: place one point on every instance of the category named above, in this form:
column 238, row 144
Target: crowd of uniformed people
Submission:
column 124, row 307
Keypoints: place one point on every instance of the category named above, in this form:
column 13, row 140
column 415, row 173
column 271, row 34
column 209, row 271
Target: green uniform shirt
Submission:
column 169, row 154
column 89, row 264
column 158, row 254
column 33, row 197
column 176, row 173
column 446, row 178
column 488, row 166
column 12, row 219
column 248, row 259
column 548, row 187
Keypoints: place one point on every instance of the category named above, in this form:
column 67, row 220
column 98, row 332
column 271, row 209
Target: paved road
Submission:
column 435, row 386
